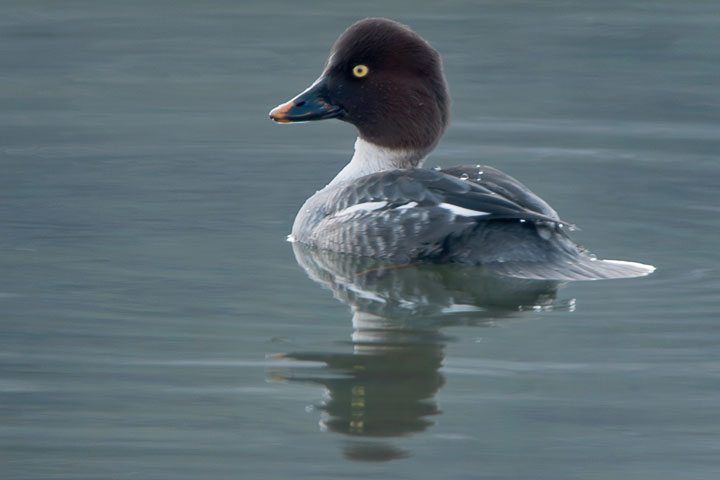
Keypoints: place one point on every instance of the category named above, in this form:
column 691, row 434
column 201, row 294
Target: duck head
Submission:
column 387, row 81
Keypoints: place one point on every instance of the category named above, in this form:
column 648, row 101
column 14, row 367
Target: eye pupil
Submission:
column 360, row 70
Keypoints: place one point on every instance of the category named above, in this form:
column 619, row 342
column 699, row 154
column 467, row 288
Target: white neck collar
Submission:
column 370, row 158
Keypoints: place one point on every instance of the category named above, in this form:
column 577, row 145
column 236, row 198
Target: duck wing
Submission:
column 415, row 213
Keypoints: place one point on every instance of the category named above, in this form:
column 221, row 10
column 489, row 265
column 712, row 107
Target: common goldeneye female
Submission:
column 388, row 82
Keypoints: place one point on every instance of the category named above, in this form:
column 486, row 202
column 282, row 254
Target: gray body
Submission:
column 410, row 218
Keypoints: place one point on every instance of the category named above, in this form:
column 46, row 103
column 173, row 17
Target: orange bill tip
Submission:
column 279, row 113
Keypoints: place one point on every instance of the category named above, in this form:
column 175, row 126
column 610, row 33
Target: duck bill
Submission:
column 312, row 104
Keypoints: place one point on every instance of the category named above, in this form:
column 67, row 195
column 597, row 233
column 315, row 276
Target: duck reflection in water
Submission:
column 385, row 387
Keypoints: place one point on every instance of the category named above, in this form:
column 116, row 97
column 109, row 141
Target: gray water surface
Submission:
column 156, row 324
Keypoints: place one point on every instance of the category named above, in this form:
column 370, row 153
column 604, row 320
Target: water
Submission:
column 156, row 324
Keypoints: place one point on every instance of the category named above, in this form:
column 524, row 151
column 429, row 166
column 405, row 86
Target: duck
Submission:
column 388, row 82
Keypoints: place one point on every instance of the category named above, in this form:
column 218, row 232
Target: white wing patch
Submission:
column 406, row 206
column 462, row 212
column 361, row 207
column 372, row 206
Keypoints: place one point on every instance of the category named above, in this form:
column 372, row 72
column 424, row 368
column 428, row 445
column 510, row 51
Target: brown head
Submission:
column 383, row 78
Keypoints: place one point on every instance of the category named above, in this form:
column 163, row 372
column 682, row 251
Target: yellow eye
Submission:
column 360, row 70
